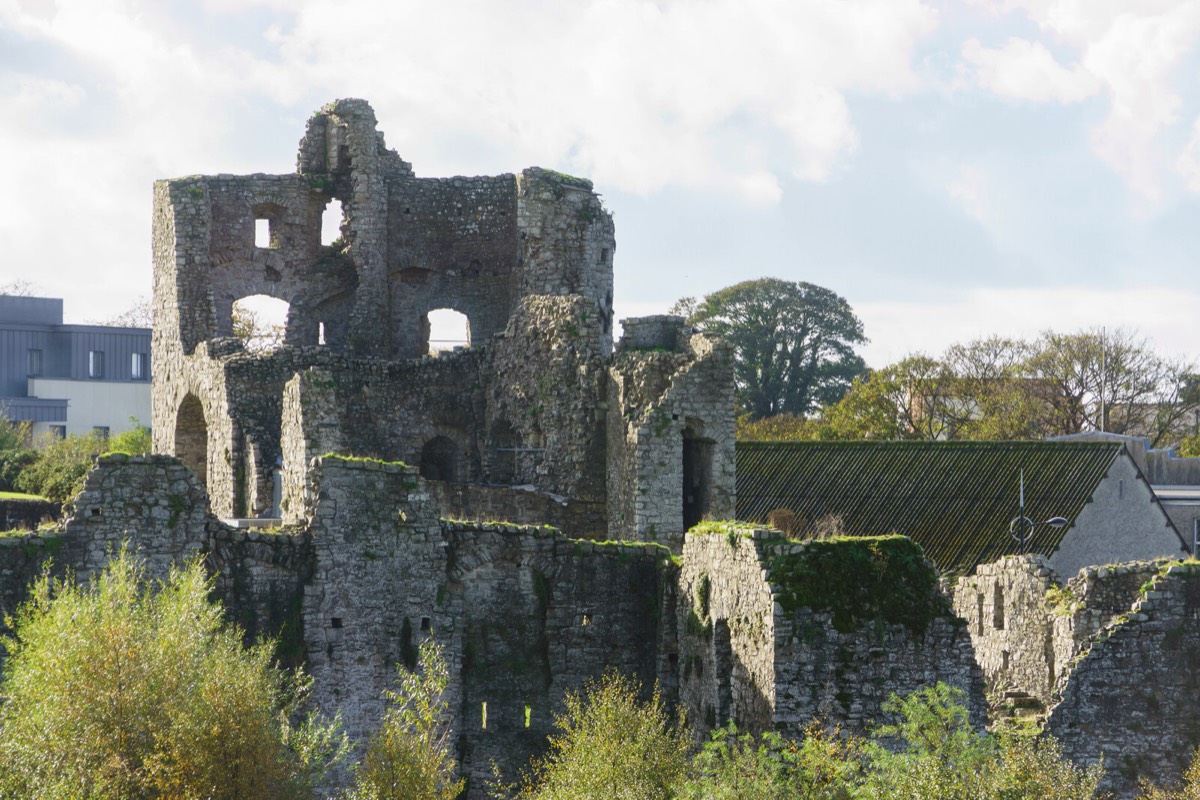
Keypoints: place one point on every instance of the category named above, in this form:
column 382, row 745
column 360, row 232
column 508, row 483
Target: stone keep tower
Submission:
column 539, row 400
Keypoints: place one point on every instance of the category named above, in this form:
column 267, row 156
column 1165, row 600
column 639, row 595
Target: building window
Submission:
column 100, row 432
column 58, row 431
column 96, row 364
column 137, row 368
column 35, row 363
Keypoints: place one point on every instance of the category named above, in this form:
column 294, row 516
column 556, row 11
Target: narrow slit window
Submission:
column 483, row 716
column 35, row 363
column 320, row 333
column 528, row 715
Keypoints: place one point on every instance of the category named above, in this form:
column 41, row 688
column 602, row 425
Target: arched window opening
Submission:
column 446, row 329
column 439, row 460
column 260, row 322
column 191, row 437
column 331, row 222
column 697, row 474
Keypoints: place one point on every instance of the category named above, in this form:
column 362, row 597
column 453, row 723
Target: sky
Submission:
column 953, row 169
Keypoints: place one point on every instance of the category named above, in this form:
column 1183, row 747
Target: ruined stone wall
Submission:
column 27, row 514
column 1028, row 627
column 1131, row 697
column 1011, row 622
column 567, row 244
column 754, row 652
column 670, row 439
column 526, row 506
column 378, row 568
column 545, row 394
column 539, row 615
column 727, row 637
column 452, row 243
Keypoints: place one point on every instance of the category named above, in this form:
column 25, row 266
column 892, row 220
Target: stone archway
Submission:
column 191, row 437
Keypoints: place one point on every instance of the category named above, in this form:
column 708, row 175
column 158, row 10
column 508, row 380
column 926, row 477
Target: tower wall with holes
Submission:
column 526, row 258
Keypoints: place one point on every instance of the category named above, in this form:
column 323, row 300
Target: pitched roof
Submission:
column 955, row 499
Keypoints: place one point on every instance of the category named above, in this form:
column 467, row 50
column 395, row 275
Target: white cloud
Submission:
column 638, row 95
column 1025, row 70
column 897, row 329
column 1132, row 51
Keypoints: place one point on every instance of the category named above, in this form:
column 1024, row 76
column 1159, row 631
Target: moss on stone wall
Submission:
column 858, row 579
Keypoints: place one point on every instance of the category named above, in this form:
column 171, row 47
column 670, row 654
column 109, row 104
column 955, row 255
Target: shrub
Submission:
column 409, row 757
column 611, row 746
column 116, row 689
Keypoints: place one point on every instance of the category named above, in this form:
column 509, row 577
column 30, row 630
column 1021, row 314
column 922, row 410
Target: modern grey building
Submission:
column 67, row 379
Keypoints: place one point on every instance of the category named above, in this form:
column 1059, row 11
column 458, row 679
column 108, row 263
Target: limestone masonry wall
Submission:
column 750, row 654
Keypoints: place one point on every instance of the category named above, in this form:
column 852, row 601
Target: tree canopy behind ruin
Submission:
column 793, row 343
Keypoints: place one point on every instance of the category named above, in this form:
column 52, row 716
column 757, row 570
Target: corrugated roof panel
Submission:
column 955, row 499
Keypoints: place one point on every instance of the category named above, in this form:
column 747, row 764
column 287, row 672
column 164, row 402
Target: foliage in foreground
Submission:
column 120, row 689
column 410, row 756
column 613, row 746
column 610, row 745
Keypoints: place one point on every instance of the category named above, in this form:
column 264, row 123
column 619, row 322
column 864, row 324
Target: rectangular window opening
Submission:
column 137, row 366
column 101, row 432
column 262, row 233
column 35, row 363
column 425, row 624
column 58, row 431
column 335, row 622
column 528, row 715
column 96, row 364
column 483, row 716
column 320, row 333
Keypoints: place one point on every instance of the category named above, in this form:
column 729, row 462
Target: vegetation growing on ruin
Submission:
column 857, row 579
column 350, row 458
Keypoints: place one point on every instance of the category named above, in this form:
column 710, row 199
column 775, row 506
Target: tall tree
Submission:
column 793, row 343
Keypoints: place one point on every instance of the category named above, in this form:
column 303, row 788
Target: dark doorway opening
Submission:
column 697, row 475
column 439, row 460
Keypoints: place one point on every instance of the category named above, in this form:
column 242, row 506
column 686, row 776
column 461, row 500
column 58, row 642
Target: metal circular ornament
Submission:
column 1021, row 530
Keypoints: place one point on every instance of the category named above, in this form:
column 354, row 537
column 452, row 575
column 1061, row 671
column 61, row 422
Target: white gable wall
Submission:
column 1123, row 522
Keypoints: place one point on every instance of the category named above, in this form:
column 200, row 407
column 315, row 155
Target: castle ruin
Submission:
column 540, row 502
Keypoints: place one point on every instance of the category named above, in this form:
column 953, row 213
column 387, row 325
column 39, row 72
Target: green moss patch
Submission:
column 858, row 579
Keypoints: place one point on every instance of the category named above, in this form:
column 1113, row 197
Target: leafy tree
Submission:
column 1112, row 381
column 409, row 757
column 121, row 689
column 15, row 454
column 793, row 343
column 935, row 755
column 611, row 746
column 733, row 766
column 61, row 465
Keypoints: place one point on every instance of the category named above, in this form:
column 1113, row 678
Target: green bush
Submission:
column 733, row 766
column 61, row 465
column 410, row 756
column 611, row 746
column 118, row 690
